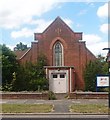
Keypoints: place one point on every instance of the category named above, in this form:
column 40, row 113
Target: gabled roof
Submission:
column 58, row 19
column 78, row 35
column 20, row 53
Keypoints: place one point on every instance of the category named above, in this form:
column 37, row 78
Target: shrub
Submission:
column 51, row 95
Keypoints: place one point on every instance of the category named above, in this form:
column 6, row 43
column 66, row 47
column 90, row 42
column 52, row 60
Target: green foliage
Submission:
column 38, row 80
column 20, row 46
column 17, row 77
column 103, row 89
column 39, row 84
column 22, row 80
column 92, row 69
column 51, row 95
column 105, row 68
column 103, row 63
column 31, row 77
column 9, row 66
column 42, row 60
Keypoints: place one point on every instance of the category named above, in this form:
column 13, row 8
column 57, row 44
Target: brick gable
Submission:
column 75, row 51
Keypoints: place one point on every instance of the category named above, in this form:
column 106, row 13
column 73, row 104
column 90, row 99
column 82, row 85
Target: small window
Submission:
column 55, row 76
column 62, row 75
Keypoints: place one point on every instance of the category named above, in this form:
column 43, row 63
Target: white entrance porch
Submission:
column 61, row 79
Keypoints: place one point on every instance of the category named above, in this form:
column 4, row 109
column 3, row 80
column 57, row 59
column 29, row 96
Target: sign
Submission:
column 102, row 81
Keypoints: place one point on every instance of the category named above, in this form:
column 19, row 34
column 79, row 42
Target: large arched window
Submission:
column 58, row 54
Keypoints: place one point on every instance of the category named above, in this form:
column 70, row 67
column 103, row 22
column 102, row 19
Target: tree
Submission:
column 104, row 63
column 23, row 78
column 92, row 69
column 20, row 46
column 40, row 81
column 9, row 66
column 31, row 77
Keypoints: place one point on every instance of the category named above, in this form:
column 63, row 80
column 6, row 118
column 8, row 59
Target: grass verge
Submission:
column 89, row 108
column 26, row 108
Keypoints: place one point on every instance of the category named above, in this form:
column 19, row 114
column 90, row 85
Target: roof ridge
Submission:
column 58, row 18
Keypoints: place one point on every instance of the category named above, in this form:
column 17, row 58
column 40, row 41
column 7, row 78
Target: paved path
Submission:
column 60, row 106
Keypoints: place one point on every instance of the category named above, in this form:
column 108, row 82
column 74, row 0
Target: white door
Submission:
column 59, row 81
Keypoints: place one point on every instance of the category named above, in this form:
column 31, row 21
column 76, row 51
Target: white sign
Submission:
column 102, row 81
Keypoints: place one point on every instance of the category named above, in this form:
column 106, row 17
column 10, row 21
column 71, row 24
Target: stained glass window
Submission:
column 58, row 54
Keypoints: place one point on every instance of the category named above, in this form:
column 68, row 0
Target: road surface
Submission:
column 56, row 117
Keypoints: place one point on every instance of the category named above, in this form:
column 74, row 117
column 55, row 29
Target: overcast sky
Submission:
column 20, row 19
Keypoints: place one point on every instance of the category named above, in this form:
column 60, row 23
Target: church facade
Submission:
column 67, row 56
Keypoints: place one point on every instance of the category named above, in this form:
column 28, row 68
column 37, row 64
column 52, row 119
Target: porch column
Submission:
column 46, row 70
column 70, row 80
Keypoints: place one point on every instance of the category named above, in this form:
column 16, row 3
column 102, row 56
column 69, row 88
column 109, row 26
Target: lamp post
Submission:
column 108, row 60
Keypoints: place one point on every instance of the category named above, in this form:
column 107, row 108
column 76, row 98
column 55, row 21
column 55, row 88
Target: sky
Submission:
column 20, row 19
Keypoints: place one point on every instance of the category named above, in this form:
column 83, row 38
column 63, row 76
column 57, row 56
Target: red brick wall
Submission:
column 75, row 53
column 16, row 95
column 88, row 95
column 26, row 57
column 44, row 96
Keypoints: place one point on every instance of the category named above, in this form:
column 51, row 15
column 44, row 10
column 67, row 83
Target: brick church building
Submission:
column 67, row 56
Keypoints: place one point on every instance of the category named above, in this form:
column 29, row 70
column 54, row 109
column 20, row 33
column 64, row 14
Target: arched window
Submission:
column 58, row 54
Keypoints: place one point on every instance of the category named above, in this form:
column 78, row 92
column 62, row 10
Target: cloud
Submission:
column 104, row 28
column 27, row 32
column 10, row 46
column 97, row 48
column 91, row 39
column 95, row 44
column 24, row 32
column 40, row 25
column 14, row 13
column 102, row 11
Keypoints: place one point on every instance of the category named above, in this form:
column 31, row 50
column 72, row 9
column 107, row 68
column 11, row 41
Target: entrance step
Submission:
column 60, row 96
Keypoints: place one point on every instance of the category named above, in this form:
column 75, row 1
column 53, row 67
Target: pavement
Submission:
column 60, row 106
column 72, row 118
column 55, row 117
column 60, row 112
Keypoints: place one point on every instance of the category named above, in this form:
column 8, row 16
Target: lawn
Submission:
column 89, row 108
column 26, row 108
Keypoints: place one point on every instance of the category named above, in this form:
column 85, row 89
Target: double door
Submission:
column 59, row 82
